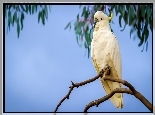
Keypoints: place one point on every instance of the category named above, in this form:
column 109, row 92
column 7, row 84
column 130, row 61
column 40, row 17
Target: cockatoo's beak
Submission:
column 96, row 20
column 95, row 23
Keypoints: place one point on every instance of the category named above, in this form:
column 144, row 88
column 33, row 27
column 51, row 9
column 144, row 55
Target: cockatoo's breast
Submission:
column 100, row 42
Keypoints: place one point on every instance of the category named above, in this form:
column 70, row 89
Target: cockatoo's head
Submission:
column 99, row 15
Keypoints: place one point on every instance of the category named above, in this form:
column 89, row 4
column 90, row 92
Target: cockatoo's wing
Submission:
column 105, row 50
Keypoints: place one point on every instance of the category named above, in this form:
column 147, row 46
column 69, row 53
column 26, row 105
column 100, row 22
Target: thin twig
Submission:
column 77, row 85
column 97, row 102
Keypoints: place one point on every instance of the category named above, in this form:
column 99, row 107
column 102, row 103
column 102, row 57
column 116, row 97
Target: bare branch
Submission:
column 77, row 85
column 135, row 93
column 97, row 102
column 131, row 91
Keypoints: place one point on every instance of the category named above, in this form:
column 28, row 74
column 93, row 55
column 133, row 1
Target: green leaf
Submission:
column 33, row 7
column 18, row 29
column 122, row 10
column 131, row 15
column 75, row 25
column 91, row 34
column 39, row 16
column 67, row 25
column 134, row 7
column 85, row 45
column 127, row 7
column 84, row 10
column 123, row 28
column 120, row 17
column 43, row 17
column 78, row 31
column 126, row 17
column 148, row 12
column 77, row 17
column 88, row 52
column 131, row 31
column 146, row 32
column 10, row 17
column 36, row 7
column 30, row 9
column 10, row 6
column 117, row 9
column 27, row 8
column 21, row 20
column 87, row 38
column 150, row 23
column 46, row 12
column 77, row 39
column 83, row 24
column 142, row 49
column 146, row 46
column 22, row 7
column 8, row 28
column 15, row 17
column 140, row 37
column 86, row 14
column 70, row 27
column 140, row 43
column 143, row 11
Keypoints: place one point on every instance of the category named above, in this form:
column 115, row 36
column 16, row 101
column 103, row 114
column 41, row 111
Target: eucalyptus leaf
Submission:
column 120, row 17
column 67, row 25
column 10, row 17
column 18, row 29
column 21, row 20
column 39, row 16
column 146, row 46
column 15, row 17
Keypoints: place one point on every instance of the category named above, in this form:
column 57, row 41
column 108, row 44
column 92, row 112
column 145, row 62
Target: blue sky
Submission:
column 43, row 61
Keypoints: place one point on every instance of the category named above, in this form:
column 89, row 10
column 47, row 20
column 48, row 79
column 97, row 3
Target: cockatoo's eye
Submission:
column 101, row 18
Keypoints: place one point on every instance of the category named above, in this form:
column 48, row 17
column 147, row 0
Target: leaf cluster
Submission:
column 15, row 14
column 138, row 17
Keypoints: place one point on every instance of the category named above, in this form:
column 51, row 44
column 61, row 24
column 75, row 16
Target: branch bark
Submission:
column 131, row 91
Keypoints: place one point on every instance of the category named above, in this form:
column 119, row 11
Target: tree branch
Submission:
column 77, row 85
column 97, row 102
column 131, row 91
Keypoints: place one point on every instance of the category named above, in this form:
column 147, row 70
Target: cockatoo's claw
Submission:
column 107, row 69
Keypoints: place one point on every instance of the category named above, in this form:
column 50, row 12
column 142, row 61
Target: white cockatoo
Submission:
column 105, row 53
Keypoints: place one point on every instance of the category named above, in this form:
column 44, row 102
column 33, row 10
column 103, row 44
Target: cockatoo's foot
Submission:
column 107, row 69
